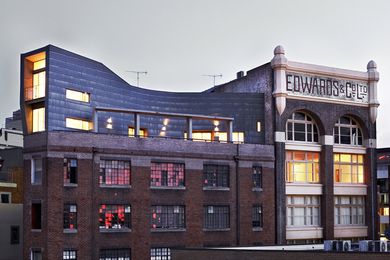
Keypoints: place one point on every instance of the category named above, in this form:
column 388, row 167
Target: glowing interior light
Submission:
column 258, row 126
column 216, row 123
column 164, row 128
column 216, row 129
column 166, row 121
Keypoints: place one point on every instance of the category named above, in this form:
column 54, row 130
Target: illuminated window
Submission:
column 35, row 82
column 167, row 175
column 302, row 166
column 168, row 217
column 208, row 136
column 77, row 95
column 142, row 132
column 39, row 64
column 36, row 171
column 384, row 211
column 215, row 175
column 115, row 254
column 78, row 124
column 160, row 253
column 216, row 217
column 38, row 120
column 303, row 210
column 347, row 131
column 349, row 210
column 114, row 217
column 69, row 254
column 257, row 216
column 200, row 136
column 39, row 85
column 301, row 127
column 70, row 216
column 348, row 168
column 238, row 137
column 113, row 172
column 257, row 172
column 70, row 171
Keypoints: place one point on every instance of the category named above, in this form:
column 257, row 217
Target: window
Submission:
column 36, row 171
column 257, row 216
column 36, row 216
column 257, row 172
column 167, row 174
column 70, row 216
column 39, row 82
column 303, row 211
column 168, row 217
column 302, row 166
column 77, row 95
column 5, row 197
column 78, row 124
column 160, row 253
column 238, row 137
column 113, row 172
column 301, row 127
column 69, row 254
column 215, row 175
column 35, row 88
column 216, row 217
column 15, row 235
column 38, row 120
column 114, row 217
column 349, row 210
column 142, row 132
column 384, row 211
column 115, row 254
column 36, row 254
column 70, row 171
column 347, row 131
column 348, row 168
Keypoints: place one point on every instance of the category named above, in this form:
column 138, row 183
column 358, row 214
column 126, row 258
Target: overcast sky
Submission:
column 177, row 41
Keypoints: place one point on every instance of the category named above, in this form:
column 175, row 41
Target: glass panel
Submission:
column 78, row 124
column 38, row 120
column 77, row 95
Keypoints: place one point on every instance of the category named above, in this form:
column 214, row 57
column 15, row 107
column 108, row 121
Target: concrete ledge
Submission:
column 350, row 189
column 303, row 189
column 304, row 233
column 350, row 231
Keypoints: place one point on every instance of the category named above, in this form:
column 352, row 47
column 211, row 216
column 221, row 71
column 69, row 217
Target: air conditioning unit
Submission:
column 364, row 245
column 330, row 245
column 343, row 245
column 379, row 246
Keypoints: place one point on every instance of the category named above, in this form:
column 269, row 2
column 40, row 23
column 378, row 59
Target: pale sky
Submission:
column 177, row 41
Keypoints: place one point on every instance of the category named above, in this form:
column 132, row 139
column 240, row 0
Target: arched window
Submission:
column 301, row 127
column 347, row 131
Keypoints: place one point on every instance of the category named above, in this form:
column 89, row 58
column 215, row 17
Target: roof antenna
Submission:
column 214, row 76
column 137, row 72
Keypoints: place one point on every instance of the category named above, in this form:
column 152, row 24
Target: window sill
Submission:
column 257, row 189
column 36, row 230
column 217, row 188
column 70, row 231
column 166, row 188
column 115, row 186
column 70, row 185
column 216, row 230
column 103, row 230
column 162, row 230
column 257, row 229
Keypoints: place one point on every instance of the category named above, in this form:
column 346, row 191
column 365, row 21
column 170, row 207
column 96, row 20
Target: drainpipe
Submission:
column 236, row 160
column 93, row 222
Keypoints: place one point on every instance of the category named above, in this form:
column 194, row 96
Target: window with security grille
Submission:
column 168, row 217
column 257, row 172
column 114, row 217
column 115, row 254
column 216, row 217
column 69, row 254
column 70, row 171
column 215, row 175
column 167, row 174
column 114, row 172
column 70, row 216
column 257, row 216
column 160, row 253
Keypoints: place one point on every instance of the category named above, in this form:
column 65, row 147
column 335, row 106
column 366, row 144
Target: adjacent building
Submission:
column 383, row 164
column 283, row 154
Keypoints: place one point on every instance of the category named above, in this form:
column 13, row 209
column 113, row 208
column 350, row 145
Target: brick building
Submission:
column 283, row 154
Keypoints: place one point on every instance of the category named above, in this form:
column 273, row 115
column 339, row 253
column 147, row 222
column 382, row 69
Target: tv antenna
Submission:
column 137, row 72
column 213, row 76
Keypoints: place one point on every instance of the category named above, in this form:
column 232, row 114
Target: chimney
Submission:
column 240, row 74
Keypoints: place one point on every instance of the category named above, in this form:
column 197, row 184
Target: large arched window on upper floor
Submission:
column 302, row 128
column 347, row 131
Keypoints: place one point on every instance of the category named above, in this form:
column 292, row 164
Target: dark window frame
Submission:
column 118, row 222
column 216, row 217
column 69, row 254
column 257, row 176
column 117, row 171
column 115, row 253
column 36, row 215
column 70, row 171
column 216, row 176
column 167, row 174
column 168, row 217
column 70, row 216
column 160, row 253
column 257, row 216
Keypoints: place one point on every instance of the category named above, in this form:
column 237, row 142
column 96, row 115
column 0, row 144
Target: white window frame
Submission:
column 308, row 207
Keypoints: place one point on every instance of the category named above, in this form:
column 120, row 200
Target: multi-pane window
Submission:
column 39, row 82
column 215, row 175
column 257, row 174
column 36, row 254
column 114, row 172
column 77, row 95
column 257, row 216
column 347, row 131
column 115, row 254
column 160, row 253
column 348, row 168
column 70, row 216
column 349, row 210
column 35, row 83
column 216, row 217
column 302, row 166
column 80, row 124
column 301, row 127
column 114, row 217
column 167, row 174
column 303, row 210
column 168, row 217
column 38, row 119
column 70, row 171
column 69, row 254
column 142, row 132
column 36, row 171
column 208, row 136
